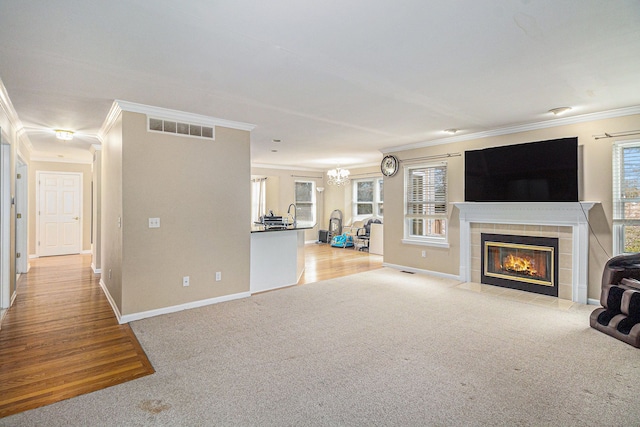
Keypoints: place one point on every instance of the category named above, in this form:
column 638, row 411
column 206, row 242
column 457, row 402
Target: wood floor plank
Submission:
column 61, row 339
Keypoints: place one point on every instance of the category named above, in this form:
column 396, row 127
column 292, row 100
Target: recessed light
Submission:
column 559, row 110
column 274, row 151
column 451, row 131
column 65, row 135
column 276, row 141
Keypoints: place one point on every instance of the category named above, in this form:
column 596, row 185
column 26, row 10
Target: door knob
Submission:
column 77, row 218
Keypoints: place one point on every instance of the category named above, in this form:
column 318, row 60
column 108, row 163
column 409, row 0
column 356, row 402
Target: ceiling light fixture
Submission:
column 338, row 176
column 65, row 135
column 559, row 110
column 451, row 131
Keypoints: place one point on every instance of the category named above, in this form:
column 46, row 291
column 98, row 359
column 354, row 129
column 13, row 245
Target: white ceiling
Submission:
column 336, row 81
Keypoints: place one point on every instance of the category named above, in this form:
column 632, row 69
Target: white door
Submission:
column 59, row 213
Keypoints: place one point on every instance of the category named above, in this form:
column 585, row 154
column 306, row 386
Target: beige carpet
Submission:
column 377, row 348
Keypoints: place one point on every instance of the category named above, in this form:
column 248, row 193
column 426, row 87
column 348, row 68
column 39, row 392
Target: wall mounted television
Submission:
column 543, row 171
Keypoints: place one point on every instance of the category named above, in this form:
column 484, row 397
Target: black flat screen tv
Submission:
column 543, row 171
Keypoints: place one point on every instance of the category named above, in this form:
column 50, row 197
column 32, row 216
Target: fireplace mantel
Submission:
column 572, row 214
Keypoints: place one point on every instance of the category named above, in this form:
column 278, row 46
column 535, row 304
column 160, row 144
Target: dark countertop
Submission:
column 263, row 229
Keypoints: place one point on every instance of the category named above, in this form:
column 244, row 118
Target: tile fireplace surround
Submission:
column 567, row 221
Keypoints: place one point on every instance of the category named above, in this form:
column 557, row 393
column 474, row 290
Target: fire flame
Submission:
column 519, row 265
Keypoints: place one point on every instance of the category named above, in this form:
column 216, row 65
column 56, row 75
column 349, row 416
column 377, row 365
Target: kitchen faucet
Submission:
column 295, row 214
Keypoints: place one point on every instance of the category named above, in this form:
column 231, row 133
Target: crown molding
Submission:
column 7, row 107
column 284, row 168
column 610, row 114
column 61, row 160
column 182, row 116
column 109, row 121
column 119, row 106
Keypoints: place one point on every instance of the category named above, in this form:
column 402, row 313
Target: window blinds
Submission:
column 427, row 192
column 626, row 182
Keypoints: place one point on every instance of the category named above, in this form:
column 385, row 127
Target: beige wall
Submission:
column 200, row 190
column 111, row 201
column 597, row 186
column 96, row 208
column 87, row 174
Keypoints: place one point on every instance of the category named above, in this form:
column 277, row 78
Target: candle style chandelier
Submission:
column 338, row 176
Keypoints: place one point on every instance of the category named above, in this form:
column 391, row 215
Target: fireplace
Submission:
column 526, row 263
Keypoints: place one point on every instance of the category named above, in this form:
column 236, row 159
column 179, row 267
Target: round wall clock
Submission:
column 389, row 165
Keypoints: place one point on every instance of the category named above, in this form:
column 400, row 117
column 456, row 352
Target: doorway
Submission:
column 21, row 197
column 58, row 205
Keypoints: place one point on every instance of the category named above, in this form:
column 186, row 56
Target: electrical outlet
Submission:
column 424, row 254
column 218, row 276
column 185, row 281
column 154, row 222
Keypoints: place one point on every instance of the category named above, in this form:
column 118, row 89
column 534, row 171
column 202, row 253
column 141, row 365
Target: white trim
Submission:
column 592, row 301
column 572, row 214
column 95, row 270
column 109, row 121
column 61, row 160
column 32, row 256
column 85, row 251
column 287, row 168
column 195, row 304
column 112, row 302
column 5, row 224
column 621, row 112
column 182, row 116
column 425, row 242
column 421, row 271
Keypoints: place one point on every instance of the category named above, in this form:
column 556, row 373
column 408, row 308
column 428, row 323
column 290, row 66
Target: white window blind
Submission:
column 426, row 202
column 626, row 197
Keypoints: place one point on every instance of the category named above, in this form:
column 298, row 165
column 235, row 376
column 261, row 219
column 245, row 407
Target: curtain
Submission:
column 258, row 198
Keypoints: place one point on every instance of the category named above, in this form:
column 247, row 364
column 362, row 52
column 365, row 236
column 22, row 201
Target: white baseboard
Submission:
column 590, row 301
column 33, row 256
column 421, row 271
column 86, row 251
column 194, row 304
column 166, row 310
column 96, row 270
column 114, row 307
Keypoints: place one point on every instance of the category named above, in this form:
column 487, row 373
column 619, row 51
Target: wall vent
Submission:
column 180, row 128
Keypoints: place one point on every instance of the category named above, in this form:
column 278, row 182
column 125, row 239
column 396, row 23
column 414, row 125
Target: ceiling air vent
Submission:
column 179, row 128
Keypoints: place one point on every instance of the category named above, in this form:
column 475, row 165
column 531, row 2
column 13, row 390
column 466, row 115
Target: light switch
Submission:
column 154, row 222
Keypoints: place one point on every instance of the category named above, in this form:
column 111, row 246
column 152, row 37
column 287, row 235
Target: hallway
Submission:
column 61, row 339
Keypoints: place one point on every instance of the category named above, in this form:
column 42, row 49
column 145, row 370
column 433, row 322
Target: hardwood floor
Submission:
column 61, row 339
column 324, row 262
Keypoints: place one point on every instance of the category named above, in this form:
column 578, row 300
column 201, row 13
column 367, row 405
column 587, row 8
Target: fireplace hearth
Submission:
column 526, row 263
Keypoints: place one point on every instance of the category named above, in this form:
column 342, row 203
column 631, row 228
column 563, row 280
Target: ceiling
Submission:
column 335, row 81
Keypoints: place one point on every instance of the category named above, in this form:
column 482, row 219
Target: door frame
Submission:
column 5, row 224
column 37, row 210
column 22, row 207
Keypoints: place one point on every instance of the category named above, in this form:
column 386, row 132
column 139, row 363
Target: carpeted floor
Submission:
column 376, row 348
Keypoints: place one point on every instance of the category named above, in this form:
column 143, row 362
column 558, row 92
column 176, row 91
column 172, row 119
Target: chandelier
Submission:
column 338, row 176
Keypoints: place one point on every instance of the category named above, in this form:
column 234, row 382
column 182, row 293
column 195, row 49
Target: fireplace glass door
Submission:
column 520, row 262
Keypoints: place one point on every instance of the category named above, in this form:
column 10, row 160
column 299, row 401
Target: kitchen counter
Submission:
column 262, row 229
column 277, row 257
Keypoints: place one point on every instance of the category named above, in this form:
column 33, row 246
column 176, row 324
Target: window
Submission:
column 426, row 205
column 305, row 200
column 368, row 198
column 626, row 197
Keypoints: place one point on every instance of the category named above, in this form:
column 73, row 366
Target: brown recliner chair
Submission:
column 619, row 315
